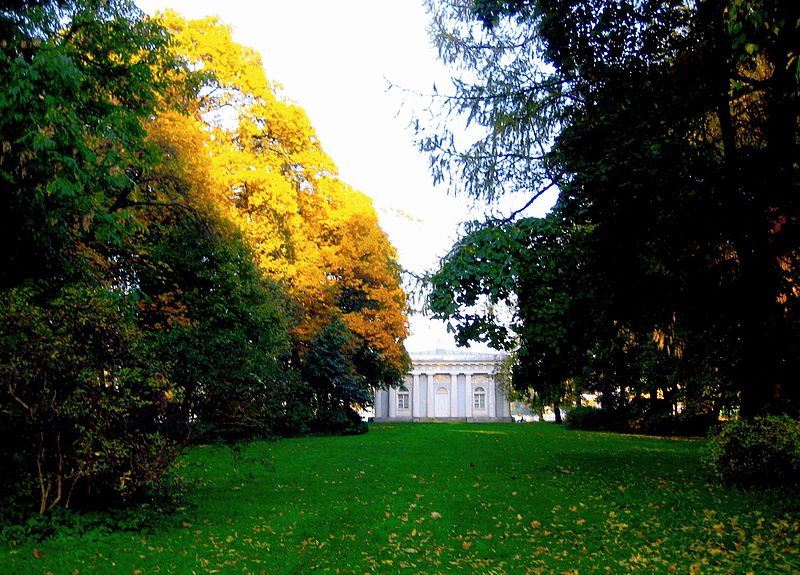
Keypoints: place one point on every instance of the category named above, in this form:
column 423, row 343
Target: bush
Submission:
column 162, row 508
column 593, row 419
column 682, row 424
column 86, row 414
column 338, row 421
column 761, row 453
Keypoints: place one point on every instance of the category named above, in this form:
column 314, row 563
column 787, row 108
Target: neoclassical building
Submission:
column 446, row 385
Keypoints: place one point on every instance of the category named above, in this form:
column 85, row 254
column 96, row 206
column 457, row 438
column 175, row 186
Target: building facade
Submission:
column 447, row 386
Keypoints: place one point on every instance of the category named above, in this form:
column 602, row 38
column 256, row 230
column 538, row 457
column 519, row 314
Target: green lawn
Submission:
column 447, row 498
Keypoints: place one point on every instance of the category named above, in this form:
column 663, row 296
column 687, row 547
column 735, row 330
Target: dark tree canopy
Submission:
column 671, row 130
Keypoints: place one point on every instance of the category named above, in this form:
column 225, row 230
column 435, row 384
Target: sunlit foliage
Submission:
column 307, row 228
column 177, row 252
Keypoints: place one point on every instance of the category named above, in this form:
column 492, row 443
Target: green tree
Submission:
column 335, row 385
column 88, row 402
column 218, row 323
column 531, row 269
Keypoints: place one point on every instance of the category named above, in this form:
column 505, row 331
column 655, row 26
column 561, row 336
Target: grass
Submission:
column 446, row 498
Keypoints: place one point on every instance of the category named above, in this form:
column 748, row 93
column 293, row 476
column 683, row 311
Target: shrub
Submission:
column 682, row 424
column 761, row 453
column 86, row 411
column 593, row 419
column 338, row 421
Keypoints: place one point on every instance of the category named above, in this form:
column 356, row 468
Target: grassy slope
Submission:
column 448, row 498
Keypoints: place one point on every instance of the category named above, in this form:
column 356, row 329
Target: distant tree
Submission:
column 336, row 388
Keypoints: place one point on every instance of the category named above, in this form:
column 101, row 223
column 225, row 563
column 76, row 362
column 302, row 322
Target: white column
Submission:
column 377, row 404
column 504, row 409
column 415, row 396
column 469, row 398
column 431, row 396
column 392, row 402
column 453, row 395
column 490, row 400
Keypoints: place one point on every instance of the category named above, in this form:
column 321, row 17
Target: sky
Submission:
column 336, row 60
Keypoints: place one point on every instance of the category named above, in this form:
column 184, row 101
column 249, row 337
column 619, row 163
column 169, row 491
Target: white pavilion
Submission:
column 447, row 386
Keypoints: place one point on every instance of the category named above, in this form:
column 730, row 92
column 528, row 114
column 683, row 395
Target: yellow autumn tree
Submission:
column 223, row 324
column 362, row 269
column 307, row 229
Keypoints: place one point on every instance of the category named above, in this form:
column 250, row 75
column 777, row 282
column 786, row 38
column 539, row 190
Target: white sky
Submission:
column 335, row 59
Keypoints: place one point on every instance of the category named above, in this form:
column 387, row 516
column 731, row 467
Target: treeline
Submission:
column 179, row 261
column 666, row 275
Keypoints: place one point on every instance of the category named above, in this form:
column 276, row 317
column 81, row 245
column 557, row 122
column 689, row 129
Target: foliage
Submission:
column 221, row 326
column 671, row 133
column 525, row 266
column 764, row 452
column 499, row 498
column 180, row 259
column 589, row 418
column 91, row 409
column 644, row 420
column 133, row 316
column 162, row 508
column 308, row 230
column 684, row 424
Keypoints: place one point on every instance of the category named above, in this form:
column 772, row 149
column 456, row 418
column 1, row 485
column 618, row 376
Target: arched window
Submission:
column 403, row 398
column 479, row 398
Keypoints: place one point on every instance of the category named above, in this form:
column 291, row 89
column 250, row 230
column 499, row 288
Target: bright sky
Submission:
column 336, row 59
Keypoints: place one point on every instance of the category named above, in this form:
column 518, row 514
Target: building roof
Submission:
column 454, row 356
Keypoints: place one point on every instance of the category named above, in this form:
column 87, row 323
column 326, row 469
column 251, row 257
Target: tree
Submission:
column 308, row 230
column 531, row 267
column 220, row 325
column 133, row 315
column 86, row 407
column 671, row 132
column 361, row 265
